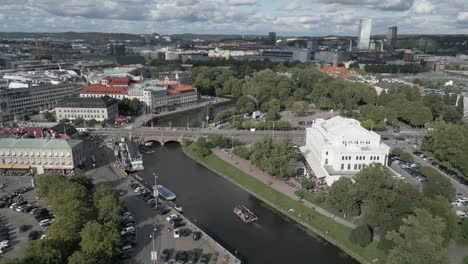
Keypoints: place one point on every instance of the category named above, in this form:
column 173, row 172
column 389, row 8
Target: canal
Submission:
column 208, row 200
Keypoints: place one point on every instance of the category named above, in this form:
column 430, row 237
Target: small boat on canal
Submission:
column 244, row 214
column 165, row 193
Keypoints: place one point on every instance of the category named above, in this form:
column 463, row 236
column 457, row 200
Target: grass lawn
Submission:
column 316, row 221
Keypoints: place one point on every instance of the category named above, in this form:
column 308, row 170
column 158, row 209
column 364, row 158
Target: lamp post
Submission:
column 153, row 252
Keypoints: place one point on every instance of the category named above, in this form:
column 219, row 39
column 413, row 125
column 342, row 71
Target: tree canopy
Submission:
column 418, row 240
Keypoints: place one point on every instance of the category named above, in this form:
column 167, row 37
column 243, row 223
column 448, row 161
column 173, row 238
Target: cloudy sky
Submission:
column 293, row 17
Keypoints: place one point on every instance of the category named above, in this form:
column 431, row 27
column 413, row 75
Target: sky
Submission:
column 287, row 18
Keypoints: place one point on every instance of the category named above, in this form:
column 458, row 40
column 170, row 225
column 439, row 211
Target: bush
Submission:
column 361, row 235
column 199, row 148
column 242, row 152
column 464, row 231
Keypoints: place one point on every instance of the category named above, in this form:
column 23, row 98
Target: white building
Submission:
column 465, row 104
column 88, row 108
column 365, row 26
column 43, row 154
column 341, row 147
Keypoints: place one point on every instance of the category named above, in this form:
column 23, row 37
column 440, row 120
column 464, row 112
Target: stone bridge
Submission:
column 164, row 135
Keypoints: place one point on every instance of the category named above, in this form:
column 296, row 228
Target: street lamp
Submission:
column 153, row 252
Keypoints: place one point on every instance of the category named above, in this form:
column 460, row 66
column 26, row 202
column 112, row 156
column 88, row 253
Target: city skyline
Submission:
column 310, row 18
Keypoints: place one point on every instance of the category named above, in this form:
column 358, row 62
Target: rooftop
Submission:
column 87, row 102
column 38, row 143
column 104, row 89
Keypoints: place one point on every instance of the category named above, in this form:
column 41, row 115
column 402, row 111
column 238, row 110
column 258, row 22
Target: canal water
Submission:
column 208, row 200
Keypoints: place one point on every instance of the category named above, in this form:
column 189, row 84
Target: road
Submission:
column 158, row 133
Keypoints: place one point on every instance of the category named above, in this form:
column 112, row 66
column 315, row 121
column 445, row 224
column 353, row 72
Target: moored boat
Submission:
column 244, row 214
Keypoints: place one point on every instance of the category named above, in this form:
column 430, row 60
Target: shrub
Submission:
column 361, row 235
column 242, row 152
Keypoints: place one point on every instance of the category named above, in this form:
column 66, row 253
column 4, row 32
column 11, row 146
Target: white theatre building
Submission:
column 341, row 147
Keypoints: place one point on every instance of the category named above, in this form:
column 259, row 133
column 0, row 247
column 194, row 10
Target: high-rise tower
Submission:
column 391, row 38
column 365, row 26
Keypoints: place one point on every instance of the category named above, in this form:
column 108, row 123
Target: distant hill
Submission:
column 72, row 35
column 443, row 44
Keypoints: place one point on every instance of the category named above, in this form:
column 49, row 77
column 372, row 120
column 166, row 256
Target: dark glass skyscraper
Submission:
column 391, row 38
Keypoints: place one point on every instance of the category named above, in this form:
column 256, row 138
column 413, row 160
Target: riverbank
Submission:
column 325, row 227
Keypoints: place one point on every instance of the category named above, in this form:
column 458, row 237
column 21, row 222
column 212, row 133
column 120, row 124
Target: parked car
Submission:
column 165, row 255
column 172, row 216
column 192, row 257
column 176, row 233
column 205, row 259
column 34, row 235
column 197, row 235
column 129, row 229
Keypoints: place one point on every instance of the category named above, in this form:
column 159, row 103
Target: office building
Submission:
column 391, row 38
column 117, row 50
column 42, row 154
column 115, row 87
column 15, row 103
column 88, row 108
column 365, row 26
column 341, row 147
column 272, row 38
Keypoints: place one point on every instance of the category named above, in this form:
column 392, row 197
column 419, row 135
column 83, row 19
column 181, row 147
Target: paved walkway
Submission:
column 248, row 168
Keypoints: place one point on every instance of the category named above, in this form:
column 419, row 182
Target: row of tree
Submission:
column 271, row 156
column 130, row 107
column 448, row 143
column 86, row 227
column 413, row 227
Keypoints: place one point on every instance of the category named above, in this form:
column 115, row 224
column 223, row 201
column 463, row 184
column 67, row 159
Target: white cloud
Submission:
column 241, row 2
column 287, row 17
column 423, row 7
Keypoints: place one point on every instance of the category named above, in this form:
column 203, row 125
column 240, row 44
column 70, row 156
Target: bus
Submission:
column 93, row 160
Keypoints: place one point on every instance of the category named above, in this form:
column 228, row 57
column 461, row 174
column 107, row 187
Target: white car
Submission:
column 457, row 204
column 13, row 205
column 5, row 243
column 176, row 233
column 45, row 222
column 139, row 189
column 462, row 214
column 21, row 208
column 172, row 216
column 126, row 230
column 463, row 199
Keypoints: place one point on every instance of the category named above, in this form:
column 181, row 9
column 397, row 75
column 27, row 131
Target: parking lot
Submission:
column 19, row 224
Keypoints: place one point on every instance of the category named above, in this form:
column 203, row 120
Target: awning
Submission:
column 5, row 166
column 23, row 167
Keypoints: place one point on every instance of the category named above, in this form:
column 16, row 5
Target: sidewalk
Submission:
column 250, row 169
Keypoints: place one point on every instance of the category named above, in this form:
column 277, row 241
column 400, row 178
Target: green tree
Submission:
column 418, row 241
column 109, row 206
column 100, row 241
column 273, row 156
column 437, row 184
column 439, row 206
column 49, row 116
column 342, row 196
column 361, row 235
column 79, row 121
column 464, row 230
column 44, row 251
column 81, row 258
column 64, row 120
column 299, row 108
